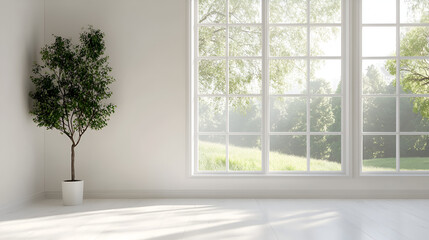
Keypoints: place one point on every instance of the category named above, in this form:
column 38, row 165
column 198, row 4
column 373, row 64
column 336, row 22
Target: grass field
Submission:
column 389, row 164
column 212, row 158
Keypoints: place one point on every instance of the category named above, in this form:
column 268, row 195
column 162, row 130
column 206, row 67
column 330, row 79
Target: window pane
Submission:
column 414, row 11
column 211, row 77
column 378, row 76
column 371, row 11
column 245, row 41
column 288, row 76
column 211, row 153
column 211, row 11
column 245, row 76
column 245, row 153
column 245, row 114
column 325, row 11
column 379, row 114
column 288, row 153
column 288, row 41
column 325, row 76
column 379, row 153
column 415, row 114
column 325, row 153
column 415, row 76
column 245, row 11
column 325, row 114
column 212, row 117
column 415, row 41
column 288, row 11
column 288, row 114
column 378, row 41
column 414, row 153
column 325, row 41
column 212, row 41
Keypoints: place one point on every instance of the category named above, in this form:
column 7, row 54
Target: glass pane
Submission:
column 379, row 153
column 325, row 153
column 325, row 11
column 325, row 114
column 212, row 153
column 288, row 76
column 288, row 153
column 288, row 11
column 415, row 76
column 245, row 76
column 325, row 41
column 211, row 77
column 288, row 41
column 415, row 41
column 212, row 41
column 245, row 114
column 211, row 11
column 371, row 11
column 378, row 76
column 414, row 153
column 325, row 76
column 245, row 153
column 245, row 41
column 288, row 114
column 414, row 11
column 379, row 114
column 415, row 114
column 245, row 11
column 378, row 41
column 212, row 117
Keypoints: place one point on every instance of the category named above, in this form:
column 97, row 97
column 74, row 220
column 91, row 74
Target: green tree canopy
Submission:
column 71, row 87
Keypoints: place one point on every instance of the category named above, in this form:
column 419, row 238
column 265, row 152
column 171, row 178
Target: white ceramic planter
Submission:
column 72, row 192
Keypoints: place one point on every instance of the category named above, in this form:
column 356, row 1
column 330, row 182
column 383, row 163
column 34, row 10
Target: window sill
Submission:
column 262, row 175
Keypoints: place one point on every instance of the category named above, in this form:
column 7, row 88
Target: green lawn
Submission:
column 212, row 158
column 389, row 164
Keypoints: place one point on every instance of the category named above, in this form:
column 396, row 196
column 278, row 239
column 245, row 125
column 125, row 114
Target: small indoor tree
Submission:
column 71, row 87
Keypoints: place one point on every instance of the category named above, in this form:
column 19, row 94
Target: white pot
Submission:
column 72, row 192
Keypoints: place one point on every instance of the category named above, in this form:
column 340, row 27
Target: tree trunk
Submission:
column 72, row 162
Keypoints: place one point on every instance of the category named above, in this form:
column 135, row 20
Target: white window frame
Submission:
column 397, row 95
column 345, row 96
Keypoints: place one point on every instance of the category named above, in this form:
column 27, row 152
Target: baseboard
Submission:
column 19, row 204
column 293, row 194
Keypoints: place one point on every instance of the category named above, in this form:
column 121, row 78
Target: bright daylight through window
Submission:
column 395, row 86
column 268, row 86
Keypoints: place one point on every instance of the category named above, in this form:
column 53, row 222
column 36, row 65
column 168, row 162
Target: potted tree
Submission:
column 71, row 88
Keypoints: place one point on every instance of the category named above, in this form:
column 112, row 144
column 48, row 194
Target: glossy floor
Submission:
column 219, row 219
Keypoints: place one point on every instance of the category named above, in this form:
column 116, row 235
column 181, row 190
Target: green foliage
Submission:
column 414, row 79
column 373, row 82
column 72, row 84
column 212, row 75
column 417, row 10
column 325, row 11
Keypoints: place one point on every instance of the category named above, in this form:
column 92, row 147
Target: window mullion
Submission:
column 397, row 86
column 308, row 87
column 265, row 88
column 195, row 93
column 227, row 86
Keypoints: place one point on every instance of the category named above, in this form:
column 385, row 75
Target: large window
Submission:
column 395, row 86
column 269, row 87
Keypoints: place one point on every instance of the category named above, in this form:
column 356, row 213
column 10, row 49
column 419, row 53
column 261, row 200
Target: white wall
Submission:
column 143, row 150
column 21, row 142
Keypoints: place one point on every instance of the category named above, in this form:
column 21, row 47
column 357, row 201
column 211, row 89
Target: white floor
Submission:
column 220, row 219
